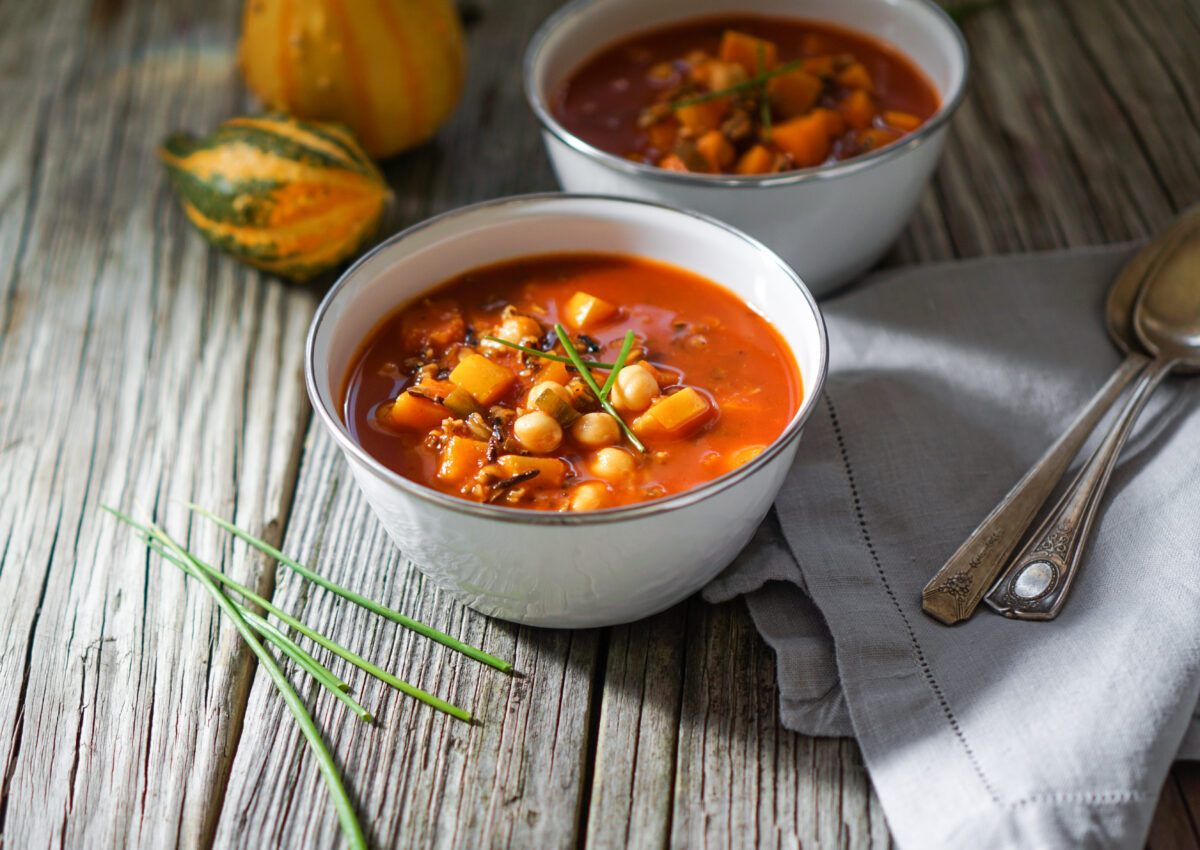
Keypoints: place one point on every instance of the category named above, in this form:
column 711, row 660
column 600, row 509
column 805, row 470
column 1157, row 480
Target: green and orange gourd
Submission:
column 287, row 196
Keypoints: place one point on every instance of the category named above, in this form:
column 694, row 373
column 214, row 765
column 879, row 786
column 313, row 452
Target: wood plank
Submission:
column 418, row 777
column 134, row 368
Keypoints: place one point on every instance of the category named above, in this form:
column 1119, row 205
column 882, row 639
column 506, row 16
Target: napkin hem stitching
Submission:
column 1104, row 798
column 922, row 662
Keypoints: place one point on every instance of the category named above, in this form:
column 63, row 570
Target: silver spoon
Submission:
column 957, row 588
column 1166, row 318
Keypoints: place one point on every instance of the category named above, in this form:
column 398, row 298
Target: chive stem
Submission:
column 329, row 772
column 336, row 648
column 586, row 375
column 264, row 627
column 621, row 356
column 545, row 355
column 753, row 82
column 356, row 598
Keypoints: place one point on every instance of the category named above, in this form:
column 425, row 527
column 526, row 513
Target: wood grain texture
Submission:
column 134, row 367
column 137, row 365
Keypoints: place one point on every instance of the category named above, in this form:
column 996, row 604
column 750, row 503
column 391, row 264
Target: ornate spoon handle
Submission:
column 960, row 584
column 1035, row 586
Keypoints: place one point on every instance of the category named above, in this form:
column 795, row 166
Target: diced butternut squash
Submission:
column 858, row 108
column 835, row 124
column 905, row 121
column 434, row 323
column 804, row 139
column 461, row 458
column 698, row 118
column 746, row 50
column 820, row 66
column 717, row 149
column 856, row 76
column 585, row 312
column 484, row 379
column 869, row 140
column 757, row 160
column 553, row 371
column 793, row 93
column 672, row 162
column 413, row 413
column 676, row 413
column 550, row 470
column 663, row 134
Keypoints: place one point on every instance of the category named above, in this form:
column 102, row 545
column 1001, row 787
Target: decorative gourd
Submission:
column 391, row 70
column 287, row 196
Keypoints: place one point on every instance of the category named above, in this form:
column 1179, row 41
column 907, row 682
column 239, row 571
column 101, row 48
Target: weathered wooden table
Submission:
column 137, row 367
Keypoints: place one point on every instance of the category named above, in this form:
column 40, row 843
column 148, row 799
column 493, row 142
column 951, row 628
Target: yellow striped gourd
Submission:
column 391, row 70
column 290, row 197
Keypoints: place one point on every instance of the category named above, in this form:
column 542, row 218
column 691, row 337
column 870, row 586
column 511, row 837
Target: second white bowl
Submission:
column 831, row 222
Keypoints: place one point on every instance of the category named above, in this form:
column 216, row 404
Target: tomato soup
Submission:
column 744, row 95
column 571, row 382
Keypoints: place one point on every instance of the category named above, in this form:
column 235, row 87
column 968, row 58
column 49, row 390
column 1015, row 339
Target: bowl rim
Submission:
column 333, row 423
column 824, row 171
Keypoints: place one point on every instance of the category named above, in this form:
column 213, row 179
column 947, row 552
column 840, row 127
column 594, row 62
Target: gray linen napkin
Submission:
column 945, row 383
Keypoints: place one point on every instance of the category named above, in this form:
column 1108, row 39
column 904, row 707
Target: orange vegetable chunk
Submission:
column 869, row 140
column 672, row 162
column 901, row 120
column 744, row 50
column 677, row 412
column 550, row 470
column 485, row 380
column 413, row 413
column 553, row 371
column 432, row 322
column 856, row 76
column 805, row 139
column 662, row 135
column 858, row 108
column 757, row 160
column 793, row 93
column 698, row 118
column 586, row 311
column 821, row 66
column 717, row 149
column 461, row 458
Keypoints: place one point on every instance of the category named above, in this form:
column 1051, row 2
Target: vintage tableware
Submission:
column 957, row 588
column 831, row 222
column 565, row 569
column 1167, row 321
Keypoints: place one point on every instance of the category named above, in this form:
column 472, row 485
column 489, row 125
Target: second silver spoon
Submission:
column 1167, row 321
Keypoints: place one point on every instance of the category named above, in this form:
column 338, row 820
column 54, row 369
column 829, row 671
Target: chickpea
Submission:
column 589, row 496
column 538, row 432
column 634, row 389
column 559, row 390
column 613, row 464
column 517, row 327
column 595, row 430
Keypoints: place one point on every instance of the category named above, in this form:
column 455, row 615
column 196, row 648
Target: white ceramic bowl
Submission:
column 564, row 569
column 831, row 222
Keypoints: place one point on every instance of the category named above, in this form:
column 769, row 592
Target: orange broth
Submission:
column 693, row 333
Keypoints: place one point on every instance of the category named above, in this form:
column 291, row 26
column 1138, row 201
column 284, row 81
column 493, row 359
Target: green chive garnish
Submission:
column 356, row 598
column 765, row 104
column 582, row 366
column 329, row 772
column 621, row 356
column 753, row 82
column 546, row 355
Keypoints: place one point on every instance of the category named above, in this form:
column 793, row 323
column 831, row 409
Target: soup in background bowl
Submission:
column 831, row 221
column 565, row 568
